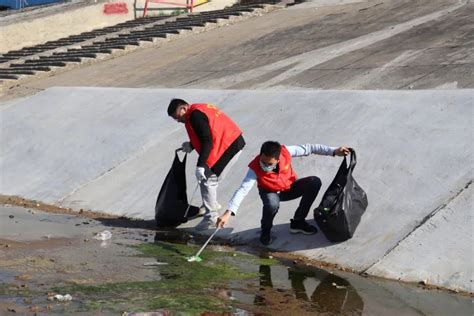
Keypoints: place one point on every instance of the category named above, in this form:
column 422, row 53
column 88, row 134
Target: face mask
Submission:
column 267, row 168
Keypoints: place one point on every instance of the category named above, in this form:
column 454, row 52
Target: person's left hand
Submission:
column 342, row 151
column 187, row 147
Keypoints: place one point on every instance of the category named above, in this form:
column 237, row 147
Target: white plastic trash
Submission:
column 61, row 298
column 105, row 235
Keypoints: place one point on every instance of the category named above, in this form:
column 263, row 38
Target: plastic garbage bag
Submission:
column 172, row 200
column 342, row 205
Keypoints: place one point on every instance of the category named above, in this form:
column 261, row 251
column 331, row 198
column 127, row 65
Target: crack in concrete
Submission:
column 421, row 223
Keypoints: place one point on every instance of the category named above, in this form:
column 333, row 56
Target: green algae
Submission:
column 185, row 287
column 217, row 269
column 267, row 261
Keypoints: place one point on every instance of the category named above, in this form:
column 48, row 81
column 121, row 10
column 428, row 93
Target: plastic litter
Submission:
column 105, row 235
column 194, row 259
column 61, row 298
column 339, row 287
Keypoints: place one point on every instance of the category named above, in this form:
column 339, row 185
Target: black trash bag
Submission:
column 343, row 204
column 172, row 200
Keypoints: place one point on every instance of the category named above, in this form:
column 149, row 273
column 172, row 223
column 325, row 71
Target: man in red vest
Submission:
column 218, row 141
column 276, row 181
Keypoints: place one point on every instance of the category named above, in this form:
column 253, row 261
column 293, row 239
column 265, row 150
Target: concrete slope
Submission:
column 441, row 244
column 110, row 149
column 369, row 45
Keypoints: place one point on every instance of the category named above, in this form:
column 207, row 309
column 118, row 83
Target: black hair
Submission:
column 271, row 149
column 174, row 104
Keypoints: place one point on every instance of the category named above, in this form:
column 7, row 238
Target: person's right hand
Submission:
column 223, row 219
column 342, row 151
column 187, row 147
column 200, row 174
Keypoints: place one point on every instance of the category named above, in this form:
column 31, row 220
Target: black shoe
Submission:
column 302, row 227
column 266, row 238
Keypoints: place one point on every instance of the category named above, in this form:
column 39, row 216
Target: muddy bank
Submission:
column 54, row 209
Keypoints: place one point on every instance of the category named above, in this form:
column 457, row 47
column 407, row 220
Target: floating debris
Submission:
column 60, row 298
column 339, row 287
column 105, row 235
column 194, row 259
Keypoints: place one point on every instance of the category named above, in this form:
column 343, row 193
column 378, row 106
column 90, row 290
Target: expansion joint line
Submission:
column 421, row 223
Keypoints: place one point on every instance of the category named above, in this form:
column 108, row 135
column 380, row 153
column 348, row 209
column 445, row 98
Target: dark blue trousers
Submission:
column 306, row 188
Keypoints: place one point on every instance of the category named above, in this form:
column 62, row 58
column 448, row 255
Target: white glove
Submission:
column 187, row 147
column 200, row 176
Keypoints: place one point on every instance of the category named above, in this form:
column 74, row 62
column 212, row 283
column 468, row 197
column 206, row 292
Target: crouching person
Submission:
column 276, row 181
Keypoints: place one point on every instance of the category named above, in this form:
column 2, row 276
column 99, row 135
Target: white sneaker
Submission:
column 202, row 211
column 206, row 223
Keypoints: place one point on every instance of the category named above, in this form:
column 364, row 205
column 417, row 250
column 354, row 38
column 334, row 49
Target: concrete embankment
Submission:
column 109, row 150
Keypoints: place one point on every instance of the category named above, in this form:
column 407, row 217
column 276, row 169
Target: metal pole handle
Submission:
column 205, row 244
column 189, row 203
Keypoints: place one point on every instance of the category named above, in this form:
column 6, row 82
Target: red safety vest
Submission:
column 275, row 181
column 223, row 131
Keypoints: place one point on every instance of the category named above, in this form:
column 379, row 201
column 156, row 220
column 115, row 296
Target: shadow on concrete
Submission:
column 283, row 240
column 127, row 223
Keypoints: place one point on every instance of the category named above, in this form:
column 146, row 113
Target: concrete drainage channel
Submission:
column 109, row 41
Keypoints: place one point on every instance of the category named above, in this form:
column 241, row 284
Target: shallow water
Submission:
column 142, row 270
column 230, row 282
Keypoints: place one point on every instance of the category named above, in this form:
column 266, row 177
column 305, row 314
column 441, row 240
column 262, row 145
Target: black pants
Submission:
column 306, row 188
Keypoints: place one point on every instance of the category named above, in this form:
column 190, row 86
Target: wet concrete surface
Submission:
column 42, row 253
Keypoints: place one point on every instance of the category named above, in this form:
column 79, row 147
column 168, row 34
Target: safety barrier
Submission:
column 187, row 6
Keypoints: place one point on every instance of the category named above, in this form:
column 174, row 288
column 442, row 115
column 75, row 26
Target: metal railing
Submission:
column 186, row 5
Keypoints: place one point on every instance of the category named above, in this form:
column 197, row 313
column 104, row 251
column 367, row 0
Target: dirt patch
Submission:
column 35, row 244
column 38, row 205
